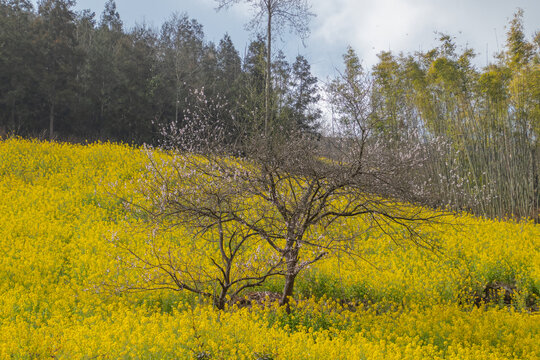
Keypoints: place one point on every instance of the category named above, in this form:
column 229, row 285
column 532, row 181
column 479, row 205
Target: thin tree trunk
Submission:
column 535, row 205
column 51, row 121
column 268, row 72
column 177, row 86
column 176, row 107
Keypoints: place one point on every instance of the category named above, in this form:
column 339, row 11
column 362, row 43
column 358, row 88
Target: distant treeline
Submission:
column 75, row 75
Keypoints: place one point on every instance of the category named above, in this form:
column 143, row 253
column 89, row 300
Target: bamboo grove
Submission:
column 486, row 123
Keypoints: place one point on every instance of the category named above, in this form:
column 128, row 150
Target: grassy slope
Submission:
column 55, row 219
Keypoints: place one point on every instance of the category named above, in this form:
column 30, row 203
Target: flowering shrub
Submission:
column 57, row 219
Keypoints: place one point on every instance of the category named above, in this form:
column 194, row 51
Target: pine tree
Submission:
column 304, row 96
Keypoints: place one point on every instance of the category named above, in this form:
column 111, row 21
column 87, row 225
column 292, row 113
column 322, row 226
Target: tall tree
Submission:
column 524, row 91
column 276, row 15
column 182, row 49
column 350, row 96
column 110, row 18
column 103, row 74
column 392, row 112
column 59, row 59
column 134, row 63
column 229, row 82
column 304, row 96
column 19, row 98
column 228, row 61
column 209, row 68
column 253, row 89
column 85, row 36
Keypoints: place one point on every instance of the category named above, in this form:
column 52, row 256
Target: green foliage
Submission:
column 478, row 128
column 68, row 74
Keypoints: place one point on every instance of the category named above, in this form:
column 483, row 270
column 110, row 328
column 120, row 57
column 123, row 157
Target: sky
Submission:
column 369, row 26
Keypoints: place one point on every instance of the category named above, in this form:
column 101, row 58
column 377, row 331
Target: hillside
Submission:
column 58, row 217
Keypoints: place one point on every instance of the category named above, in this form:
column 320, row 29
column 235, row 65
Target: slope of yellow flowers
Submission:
column 57, row 217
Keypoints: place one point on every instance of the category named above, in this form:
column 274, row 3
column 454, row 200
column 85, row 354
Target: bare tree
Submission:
column 276, row 15
column 288, row 192
column 303, row 195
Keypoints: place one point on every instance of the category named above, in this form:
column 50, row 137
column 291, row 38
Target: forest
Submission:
column 74, row 75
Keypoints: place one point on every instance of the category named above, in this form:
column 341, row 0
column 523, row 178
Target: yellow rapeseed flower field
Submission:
column 58, row 215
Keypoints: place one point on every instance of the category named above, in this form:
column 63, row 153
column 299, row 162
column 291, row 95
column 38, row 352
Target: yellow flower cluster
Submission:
column 469, row 254
column 57, row 219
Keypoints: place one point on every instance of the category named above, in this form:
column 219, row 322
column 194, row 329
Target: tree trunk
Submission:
column 268, row 72
column 219, row 301
column 535, row 205
column 51, row 121
column 288, row 289
column 290, row 276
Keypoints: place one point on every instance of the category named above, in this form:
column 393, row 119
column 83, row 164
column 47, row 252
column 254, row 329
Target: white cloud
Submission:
column 370, row 26
column 409, row 25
